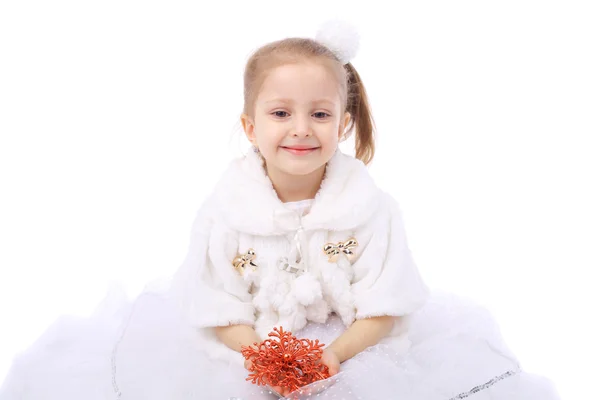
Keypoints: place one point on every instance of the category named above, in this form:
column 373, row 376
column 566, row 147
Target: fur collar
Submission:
column 246, row 200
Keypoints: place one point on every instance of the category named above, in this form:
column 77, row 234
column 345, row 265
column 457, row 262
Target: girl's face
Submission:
column 298, row 118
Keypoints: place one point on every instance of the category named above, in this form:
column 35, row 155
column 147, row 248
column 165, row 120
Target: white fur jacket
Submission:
column 254, row 261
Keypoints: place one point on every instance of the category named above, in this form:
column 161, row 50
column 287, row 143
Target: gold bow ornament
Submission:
column 241, row 262
column 333, row 250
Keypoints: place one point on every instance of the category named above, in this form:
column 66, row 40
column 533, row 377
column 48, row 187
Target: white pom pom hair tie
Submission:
column 341, row 37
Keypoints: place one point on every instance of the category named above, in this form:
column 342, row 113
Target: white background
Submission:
column 117, row 117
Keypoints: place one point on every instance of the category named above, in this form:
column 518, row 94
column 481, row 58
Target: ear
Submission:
column 344, row 125
column 248, row 126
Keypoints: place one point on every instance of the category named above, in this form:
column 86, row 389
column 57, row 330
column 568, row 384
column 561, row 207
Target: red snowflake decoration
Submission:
column 285, row 361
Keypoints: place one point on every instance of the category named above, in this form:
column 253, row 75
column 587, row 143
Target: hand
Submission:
column 331, row 360
column 328, row 358
column 248, row 363
column 282, row 391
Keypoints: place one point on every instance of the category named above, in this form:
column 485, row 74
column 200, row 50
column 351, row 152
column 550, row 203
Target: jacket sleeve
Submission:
column 387, row 281
column 207, row 289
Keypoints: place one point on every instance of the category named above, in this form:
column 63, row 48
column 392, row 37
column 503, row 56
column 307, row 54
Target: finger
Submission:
column 278, row 389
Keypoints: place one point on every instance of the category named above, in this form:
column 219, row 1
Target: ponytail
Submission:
column 361, row 118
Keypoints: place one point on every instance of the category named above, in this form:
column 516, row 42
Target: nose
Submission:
column 301, row 127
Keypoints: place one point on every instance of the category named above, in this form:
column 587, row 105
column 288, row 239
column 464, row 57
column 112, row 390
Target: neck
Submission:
column 296, row 187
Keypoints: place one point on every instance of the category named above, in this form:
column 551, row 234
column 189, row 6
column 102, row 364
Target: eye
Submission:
column 280, row 114
column 321, row 115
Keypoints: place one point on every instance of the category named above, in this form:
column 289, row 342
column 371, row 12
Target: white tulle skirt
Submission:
column 142, row 351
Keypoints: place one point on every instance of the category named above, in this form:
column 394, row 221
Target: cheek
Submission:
column 330, row 133
column 268, row 135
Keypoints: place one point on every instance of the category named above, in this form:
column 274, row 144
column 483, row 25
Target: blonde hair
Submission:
column 352, row 90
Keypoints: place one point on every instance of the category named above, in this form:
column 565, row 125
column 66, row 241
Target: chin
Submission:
column 301, row 170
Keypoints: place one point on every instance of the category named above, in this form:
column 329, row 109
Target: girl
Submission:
column 298, row 235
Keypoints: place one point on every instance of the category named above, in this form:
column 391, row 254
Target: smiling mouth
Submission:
column 299, row 150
